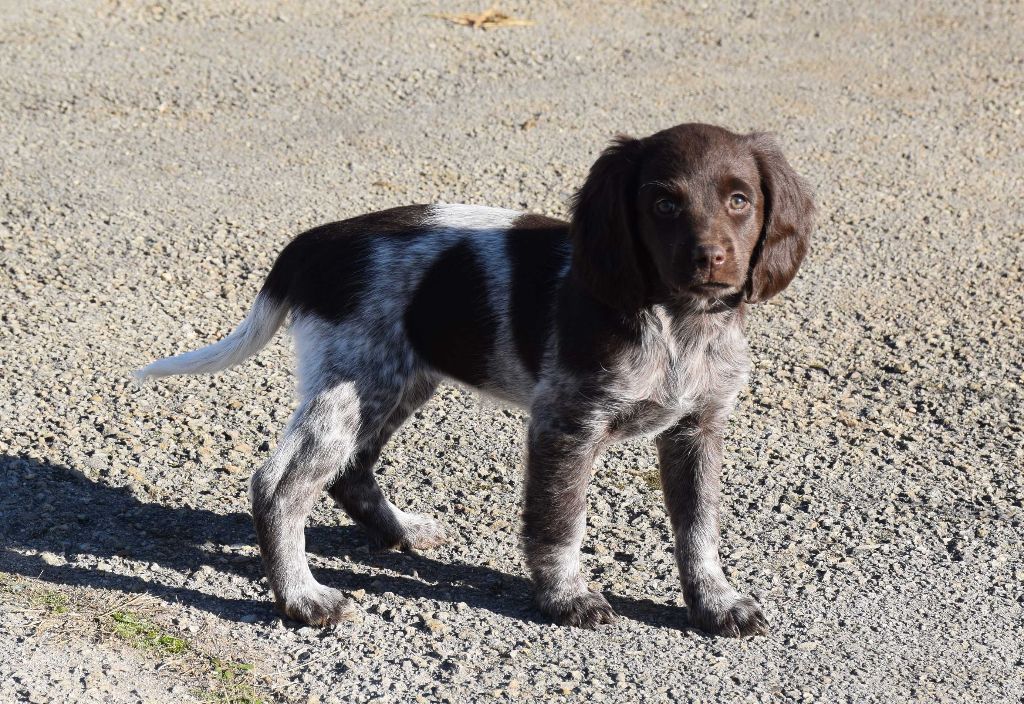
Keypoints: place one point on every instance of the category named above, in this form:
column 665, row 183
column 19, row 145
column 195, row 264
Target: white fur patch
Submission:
column 470, row 217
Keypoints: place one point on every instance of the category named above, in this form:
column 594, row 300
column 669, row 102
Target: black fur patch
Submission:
column 538, row 247
column 449, row 321
column 591, row 334
column 324, row 270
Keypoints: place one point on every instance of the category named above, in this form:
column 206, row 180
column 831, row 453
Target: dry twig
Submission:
column 488, row 19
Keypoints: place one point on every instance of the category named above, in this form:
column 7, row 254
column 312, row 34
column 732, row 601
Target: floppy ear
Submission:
column 604, row 245
column 788, row 222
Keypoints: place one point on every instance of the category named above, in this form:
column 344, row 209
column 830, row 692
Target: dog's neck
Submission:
column 694, row 318
column 594, row 332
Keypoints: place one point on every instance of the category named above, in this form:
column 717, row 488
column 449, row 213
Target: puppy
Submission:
column 625, row 321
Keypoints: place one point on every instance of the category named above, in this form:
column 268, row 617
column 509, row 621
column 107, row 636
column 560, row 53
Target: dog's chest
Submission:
column 680, row 373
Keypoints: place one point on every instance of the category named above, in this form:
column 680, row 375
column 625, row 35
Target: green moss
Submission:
column 232, row 684
column 140, row 633
column 53, row 601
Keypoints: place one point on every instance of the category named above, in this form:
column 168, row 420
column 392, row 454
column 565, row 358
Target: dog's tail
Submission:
column 265, row 317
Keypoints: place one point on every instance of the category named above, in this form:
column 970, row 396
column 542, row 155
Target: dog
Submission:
column 625, row 321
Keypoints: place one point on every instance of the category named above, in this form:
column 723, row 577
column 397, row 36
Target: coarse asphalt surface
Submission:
column 155, row 157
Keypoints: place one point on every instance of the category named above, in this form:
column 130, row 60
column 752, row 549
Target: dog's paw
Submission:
column 409, row 532
column 414, row 532
column 587, row 609
column 421, row 532
column 319, row 606
column 737, row 619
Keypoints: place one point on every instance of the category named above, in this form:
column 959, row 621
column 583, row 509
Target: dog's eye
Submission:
column 666, row 208
column 738, row 201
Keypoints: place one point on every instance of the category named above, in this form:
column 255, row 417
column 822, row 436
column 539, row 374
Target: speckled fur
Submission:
column 645, row 339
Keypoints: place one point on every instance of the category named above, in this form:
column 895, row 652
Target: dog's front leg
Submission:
column 690, row 455
column 560, row 458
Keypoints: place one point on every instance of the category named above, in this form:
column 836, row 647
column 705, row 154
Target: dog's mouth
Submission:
column 711, row 288
column 706, row 292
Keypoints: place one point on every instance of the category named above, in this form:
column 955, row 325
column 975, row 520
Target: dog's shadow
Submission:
column 54, row 519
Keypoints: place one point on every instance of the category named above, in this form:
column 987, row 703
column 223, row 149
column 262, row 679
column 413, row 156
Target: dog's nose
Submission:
column 710, row 256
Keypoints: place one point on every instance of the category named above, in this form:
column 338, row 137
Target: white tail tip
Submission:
column 263, row 320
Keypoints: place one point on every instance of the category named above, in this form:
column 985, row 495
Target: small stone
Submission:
column 432, row 624
column 52, row 559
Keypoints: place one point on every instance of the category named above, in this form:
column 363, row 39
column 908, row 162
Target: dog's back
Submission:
column 468, row 291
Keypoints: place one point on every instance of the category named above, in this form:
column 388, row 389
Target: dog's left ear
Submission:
column 788, row 222
column 604, row 243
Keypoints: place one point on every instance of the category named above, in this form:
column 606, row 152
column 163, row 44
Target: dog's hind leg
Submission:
column 357, row 492
column 348, row 394
column 321, row 437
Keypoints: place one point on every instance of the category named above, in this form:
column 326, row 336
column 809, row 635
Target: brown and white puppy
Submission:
column 624, row 322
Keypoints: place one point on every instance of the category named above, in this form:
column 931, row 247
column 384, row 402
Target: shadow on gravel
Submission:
column 84, row 526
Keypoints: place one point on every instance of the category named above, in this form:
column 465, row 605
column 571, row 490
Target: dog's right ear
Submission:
column 604, row 244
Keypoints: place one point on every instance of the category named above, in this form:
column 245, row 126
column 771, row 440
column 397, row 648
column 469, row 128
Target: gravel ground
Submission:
column 155, row 156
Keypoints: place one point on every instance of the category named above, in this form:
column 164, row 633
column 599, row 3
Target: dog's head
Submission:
column 694, row 211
